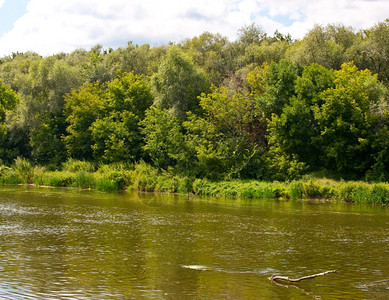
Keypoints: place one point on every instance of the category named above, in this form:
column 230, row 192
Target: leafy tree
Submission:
column 372, row 50
column 210, row 52
column 103, row 119
column 278, row 87
column 345, row 120
column 47, row 145
column 251, row 34
column 129, row 92
column 164, row 140
column 117, row 136
column 178, row 83
column 83, row 107
column 327, row 46
column 268, row 51
column 229, row 139
column 296, row 131
column 8, row 101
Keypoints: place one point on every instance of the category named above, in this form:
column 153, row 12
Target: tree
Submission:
column 209, row 51
column 116, row 135
column 251, row 34
column 47, row 145
column 346, row 121
column 372, row 50
column 178, row 83
column 8, row 101
column 229, row 137
column 278, row 87
column 82, row 108
column 163, row 138
column 295, row 131
column 103, row 119
column 129, row 92
column 327, row 46
column 116, row 138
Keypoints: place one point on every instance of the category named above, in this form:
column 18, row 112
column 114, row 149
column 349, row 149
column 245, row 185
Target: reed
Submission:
column 144, row 177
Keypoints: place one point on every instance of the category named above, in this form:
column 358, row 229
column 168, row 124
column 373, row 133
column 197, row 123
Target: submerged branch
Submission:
column 284, row 278
column 376, row 282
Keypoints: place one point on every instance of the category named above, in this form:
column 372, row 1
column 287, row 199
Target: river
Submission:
column 70, row 244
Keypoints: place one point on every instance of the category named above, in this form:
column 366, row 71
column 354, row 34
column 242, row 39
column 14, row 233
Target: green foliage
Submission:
column 363, row 193
column 278, row 108
column 251, row 34
column 144, row 177
column 116, row 138
column 48, row 148
column 73, row 165
column 113, row 177
column 82, row 108
column 296, row 131
column 371, row 50
column 103, row 120
column 131, row 93
column 84, row 180
column 278, row 87
column 9, row 176
column 177, row 83
column 244, row 189
column 296, row 190
column 210, row 52
column 281, row 166
column 229, row 139
column 8, row 101
column 24, row 170
column 328, row 46
column 345, row 120
column 163, row 138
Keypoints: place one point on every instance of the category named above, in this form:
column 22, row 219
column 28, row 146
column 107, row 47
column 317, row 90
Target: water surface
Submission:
column 66, row 244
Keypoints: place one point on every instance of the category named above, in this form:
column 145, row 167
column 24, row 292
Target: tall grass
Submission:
column 144, row 177
column 73, row 165
column 24, row 170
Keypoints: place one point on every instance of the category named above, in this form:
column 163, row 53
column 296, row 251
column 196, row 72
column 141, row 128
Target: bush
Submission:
column 8, row 176
column 296, row 190
column 107, row 185
column 380, row 194
column 24, row 170
column 84, row 180
column 73, row 165
column 117, row 174
column 59, row 179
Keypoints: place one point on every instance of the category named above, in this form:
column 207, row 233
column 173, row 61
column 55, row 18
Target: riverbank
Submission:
column 143, row 177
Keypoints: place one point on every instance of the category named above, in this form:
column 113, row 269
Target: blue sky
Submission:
column 52, row 26
column 10, row 11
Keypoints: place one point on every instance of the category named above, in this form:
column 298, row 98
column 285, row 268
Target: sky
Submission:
column 52, row 26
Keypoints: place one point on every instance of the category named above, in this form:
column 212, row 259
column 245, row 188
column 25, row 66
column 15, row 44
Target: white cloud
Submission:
column 1, row 3
column 51, row 26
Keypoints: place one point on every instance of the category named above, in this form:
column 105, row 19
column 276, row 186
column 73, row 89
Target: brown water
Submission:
column 86, row 245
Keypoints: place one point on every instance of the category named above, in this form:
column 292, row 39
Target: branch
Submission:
column 375, row 282
column 274, row 277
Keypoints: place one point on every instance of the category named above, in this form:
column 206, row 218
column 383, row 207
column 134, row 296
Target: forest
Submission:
column 262, row 107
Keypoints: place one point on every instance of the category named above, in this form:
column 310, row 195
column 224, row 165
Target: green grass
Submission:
column 143, row 177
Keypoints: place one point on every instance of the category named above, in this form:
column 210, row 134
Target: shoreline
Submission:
column 124, row 180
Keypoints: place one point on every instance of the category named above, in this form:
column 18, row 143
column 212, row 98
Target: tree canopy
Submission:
column 263, row 106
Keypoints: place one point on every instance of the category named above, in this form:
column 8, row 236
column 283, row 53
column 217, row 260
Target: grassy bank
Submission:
column 143, row 177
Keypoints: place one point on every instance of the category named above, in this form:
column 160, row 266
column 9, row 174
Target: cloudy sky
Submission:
column 52, row 26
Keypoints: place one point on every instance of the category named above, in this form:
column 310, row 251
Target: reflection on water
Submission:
column 82, row 245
